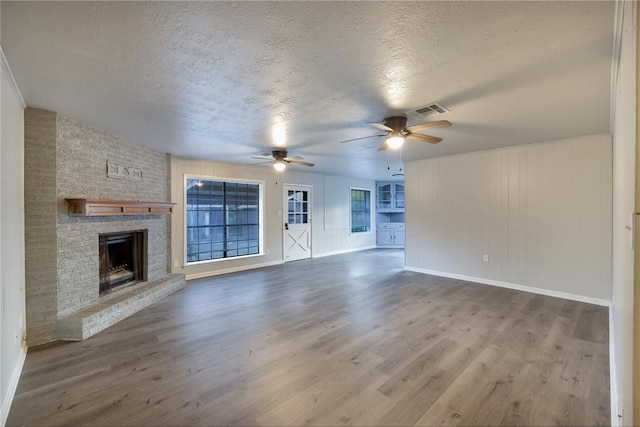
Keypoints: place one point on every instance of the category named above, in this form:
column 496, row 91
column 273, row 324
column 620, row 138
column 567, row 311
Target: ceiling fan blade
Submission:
column 297, row 162
column 384, row 146
column 262, row 157
column 292, row 158
column 425, row 138
column 364, row 137
column 427, row 126
column 380, row 126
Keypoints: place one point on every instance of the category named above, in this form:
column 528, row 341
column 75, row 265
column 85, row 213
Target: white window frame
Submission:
column 370, row 211
column 261, row 201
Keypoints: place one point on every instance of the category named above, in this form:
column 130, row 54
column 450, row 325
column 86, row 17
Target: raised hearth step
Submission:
column 112, row 308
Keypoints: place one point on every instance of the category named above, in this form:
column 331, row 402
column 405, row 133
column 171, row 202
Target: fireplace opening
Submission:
column 122, row 259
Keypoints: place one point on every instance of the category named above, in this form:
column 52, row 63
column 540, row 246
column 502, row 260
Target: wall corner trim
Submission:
column 12, row 80
column 7, row 400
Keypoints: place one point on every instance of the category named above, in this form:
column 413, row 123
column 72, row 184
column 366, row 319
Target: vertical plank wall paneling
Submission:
column 541, row 212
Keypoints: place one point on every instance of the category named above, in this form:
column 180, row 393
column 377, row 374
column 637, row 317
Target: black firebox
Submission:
column 122, row 259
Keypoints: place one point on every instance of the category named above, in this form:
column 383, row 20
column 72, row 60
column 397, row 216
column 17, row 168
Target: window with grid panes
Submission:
column 223, row 219
column 360, row 210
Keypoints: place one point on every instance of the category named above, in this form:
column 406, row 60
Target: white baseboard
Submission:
column 7, row 400
column 541, row 291
column 231, row 270
column 345, row 251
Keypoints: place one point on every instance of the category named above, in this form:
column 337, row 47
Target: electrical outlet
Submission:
column 485, row 258
column 268, row 251
column 175, row 263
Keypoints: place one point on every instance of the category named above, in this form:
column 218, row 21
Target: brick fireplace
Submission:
column 67, row 159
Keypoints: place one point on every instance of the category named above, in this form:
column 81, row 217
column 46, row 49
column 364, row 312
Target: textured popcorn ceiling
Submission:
column 228, row 80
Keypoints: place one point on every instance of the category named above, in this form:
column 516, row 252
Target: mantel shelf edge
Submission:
column 91, row 207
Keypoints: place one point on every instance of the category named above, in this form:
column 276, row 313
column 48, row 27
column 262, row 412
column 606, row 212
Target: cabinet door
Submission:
column 398, row 237
column 398, row 201
column 385, row 237
column 384, row 197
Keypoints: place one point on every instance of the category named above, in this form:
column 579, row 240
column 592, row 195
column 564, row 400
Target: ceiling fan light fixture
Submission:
column 395, row 141
column 279, row 165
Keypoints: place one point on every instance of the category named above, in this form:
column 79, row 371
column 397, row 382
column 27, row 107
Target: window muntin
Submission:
column 223, row 219
column 298, row 207
column 360, row 210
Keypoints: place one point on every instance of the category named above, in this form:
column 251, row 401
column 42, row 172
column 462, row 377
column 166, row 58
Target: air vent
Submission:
column 429, row 110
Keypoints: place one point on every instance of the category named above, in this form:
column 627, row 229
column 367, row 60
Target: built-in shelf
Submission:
column 88, row 207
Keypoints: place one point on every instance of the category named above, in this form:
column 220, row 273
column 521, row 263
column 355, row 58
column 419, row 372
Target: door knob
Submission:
column 286, row 226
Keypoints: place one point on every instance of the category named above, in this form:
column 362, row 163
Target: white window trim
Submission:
column 359, row 233
column 261, row 202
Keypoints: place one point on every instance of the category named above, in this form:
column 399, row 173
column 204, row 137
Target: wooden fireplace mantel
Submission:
column 89, row 207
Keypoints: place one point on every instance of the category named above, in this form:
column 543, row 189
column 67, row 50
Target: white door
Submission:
column 297, row 222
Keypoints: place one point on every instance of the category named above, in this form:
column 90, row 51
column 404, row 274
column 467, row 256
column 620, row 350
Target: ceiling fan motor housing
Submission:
column 397, row 123
column 279, row 154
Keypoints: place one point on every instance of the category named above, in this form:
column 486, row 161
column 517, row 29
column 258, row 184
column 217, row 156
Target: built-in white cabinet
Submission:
column 390, row 214
column 390, row 196
column 390, row 234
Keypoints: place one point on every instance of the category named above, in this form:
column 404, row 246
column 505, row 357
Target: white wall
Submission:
column 541, row 212
column 12, row 303
column 624, row 156
column 330, row 231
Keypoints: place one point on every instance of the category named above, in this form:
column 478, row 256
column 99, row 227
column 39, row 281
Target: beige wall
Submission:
column 541, row 212
column 330, row 207
column 12, row 299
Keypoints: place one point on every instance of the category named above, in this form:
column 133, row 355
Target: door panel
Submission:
column 384, row 237
column 297, row 226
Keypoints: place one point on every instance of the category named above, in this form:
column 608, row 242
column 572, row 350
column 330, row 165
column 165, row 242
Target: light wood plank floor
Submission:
column 342, row 340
